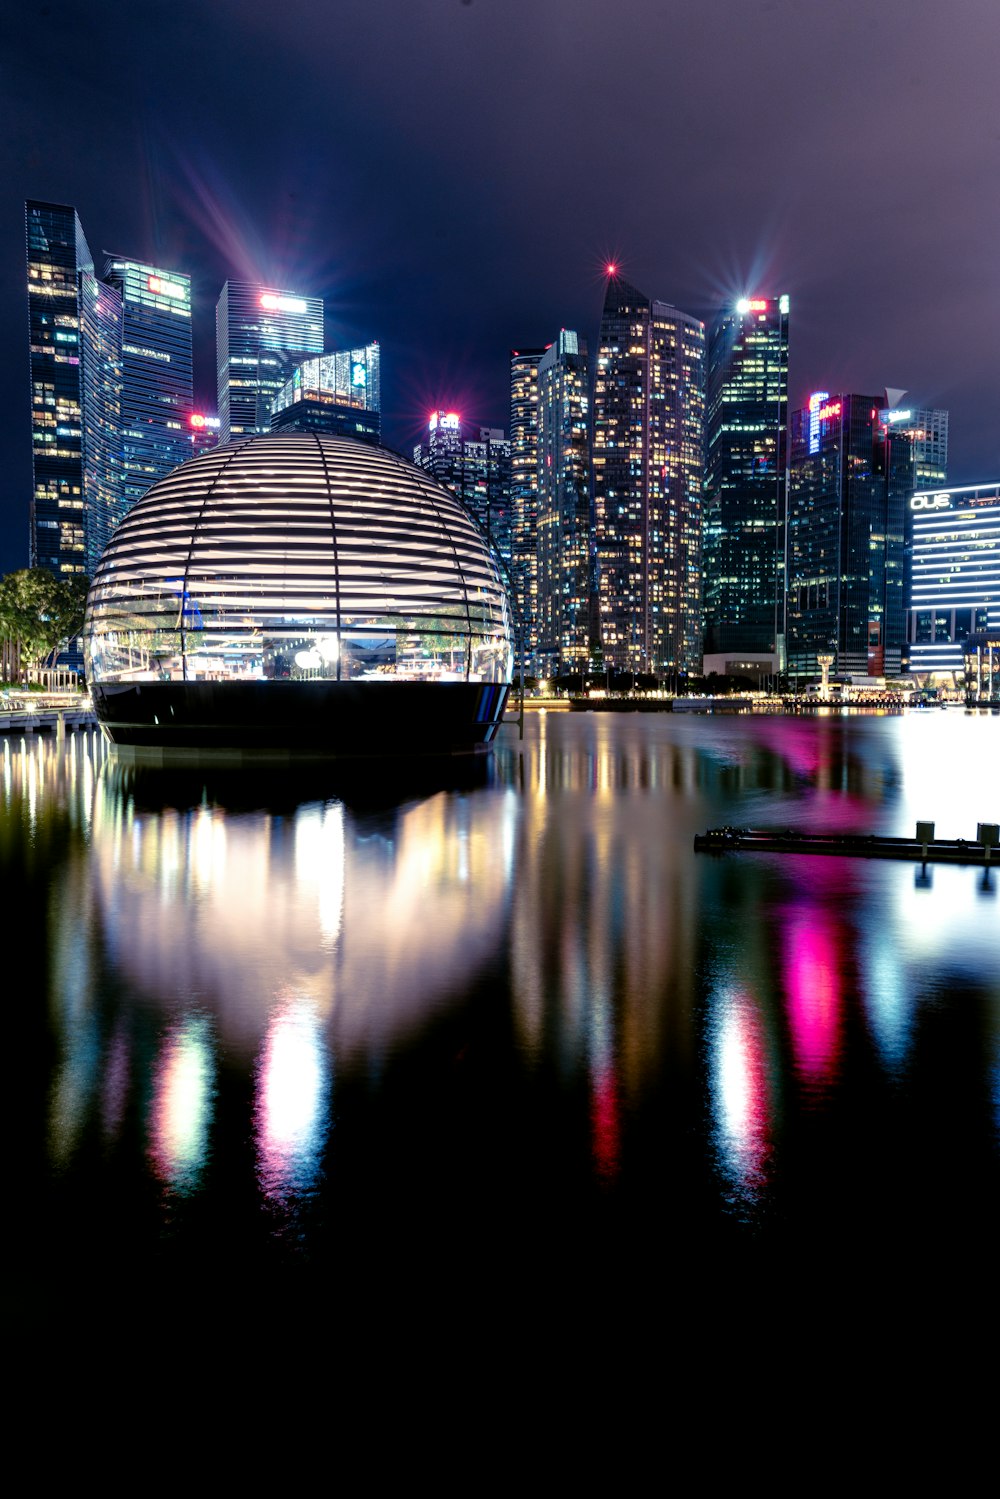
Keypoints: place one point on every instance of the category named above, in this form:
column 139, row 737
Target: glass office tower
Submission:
column 647, row 480
column 338, row 393
column 850, row 481
column 474, row 462
column 954, row 591
column 564, row 508
column 524, row 495
column 258, row 331
column 927, row 431
column 743, row 537
column 158, row 384
column 75, row 333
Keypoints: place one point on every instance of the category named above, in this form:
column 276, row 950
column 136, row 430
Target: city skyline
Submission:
column 421, row 214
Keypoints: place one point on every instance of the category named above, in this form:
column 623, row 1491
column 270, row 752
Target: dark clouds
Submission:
column 451, row 176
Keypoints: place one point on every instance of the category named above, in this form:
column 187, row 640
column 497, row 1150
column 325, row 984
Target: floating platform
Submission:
column 929, row 850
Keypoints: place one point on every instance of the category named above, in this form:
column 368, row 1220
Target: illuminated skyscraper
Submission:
column 564, row 509
column 337, row 393
column 524, row 493
column 203, row 433
column 258, row 331
column 75, row 325
column 928, row 434
column 647, row 478
column 474, row 462
column 157, row 387
column 743, row 538
column 954, row 592
column 850, row 480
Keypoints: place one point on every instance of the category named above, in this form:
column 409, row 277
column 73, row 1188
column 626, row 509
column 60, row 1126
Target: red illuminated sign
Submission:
column 825, row 412
column 163, row 288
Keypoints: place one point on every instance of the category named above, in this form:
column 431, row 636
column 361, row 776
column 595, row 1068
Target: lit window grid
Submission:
column 955, row 566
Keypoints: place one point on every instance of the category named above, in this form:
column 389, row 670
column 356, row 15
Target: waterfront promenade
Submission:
column 52, row 712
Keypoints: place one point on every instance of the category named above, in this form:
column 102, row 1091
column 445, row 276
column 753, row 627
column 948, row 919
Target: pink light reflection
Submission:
column 605, row 1121
column 813, row 991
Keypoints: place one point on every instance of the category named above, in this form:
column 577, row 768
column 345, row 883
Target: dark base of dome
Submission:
column 294, row 719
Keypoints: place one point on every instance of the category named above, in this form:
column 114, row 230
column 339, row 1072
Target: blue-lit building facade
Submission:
column 850, row 480
column 75, row 343
column 259, row 332
column 338, row 393
column 158, row 383
column 564, row 513
column 743, row 533
column 647, row 475
column 953, row 553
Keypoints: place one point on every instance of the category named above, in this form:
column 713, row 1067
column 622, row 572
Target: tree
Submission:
column 39, row 611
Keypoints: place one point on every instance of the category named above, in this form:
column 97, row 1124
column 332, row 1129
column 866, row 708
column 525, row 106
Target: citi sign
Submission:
column 940, row 501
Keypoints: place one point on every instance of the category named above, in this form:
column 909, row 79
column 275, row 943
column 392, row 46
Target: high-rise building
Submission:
column 75, row 327
column 850, row 479
column 743, row 536
column 158, row 382
column 954, row 590
column 524, row 495
column 337, row 393
column 563, row 509
column 647, row 482
column 203, row 433
column 474, row 462
column 927, row 432
column 258, row 332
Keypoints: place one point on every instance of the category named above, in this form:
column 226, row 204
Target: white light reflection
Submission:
column 889, row 999
column 319, row 865
column 376, row 926
column 292, row 1113
column 207, row 863
column 739, row 1090
column 182, row 1104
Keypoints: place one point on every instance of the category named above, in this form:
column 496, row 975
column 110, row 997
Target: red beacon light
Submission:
column 611, row 269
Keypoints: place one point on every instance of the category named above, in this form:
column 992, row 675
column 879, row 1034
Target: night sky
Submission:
column 452, row 175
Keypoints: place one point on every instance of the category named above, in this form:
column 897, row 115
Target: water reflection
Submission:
column 813, row 974
column 181, row 1111
column 373, row 921
column 292, row 1102
column 740, row 1085
column 255, row 981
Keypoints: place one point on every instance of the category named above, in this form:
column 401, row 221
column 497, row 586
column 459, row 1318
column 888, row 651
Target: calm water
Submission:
column 500, row 1024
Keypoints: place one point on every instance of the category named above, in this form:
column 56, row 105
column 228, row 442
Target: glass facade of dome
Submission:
column 294, row 557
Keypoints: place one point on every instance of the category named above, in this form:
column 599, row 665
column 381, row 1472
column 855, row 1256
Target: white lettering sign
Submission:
column 940, row 501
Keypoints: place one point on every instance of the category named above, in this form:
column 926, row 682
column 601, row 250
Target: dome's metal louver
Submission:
column 294, row 590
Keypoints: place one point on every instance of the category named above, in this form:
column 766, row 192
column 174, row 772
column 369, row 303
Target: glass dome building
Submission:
column 301, row 592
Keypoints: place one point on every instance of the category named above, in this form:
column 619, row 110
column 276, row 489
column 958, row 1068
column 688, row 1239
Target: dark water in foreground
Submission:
column 499, row 1029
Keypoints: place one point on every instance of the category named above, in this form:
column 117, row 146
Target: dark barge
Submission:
column 924, row 848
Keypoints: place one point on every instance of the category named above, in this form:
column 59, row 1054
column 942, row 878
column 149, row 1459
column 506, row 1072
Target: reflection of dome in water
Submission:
column 298, row 591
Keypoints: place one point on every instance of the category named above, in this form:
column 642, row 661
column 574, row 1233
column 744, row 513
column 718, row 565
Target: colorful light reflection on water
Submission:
column 524, row 987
